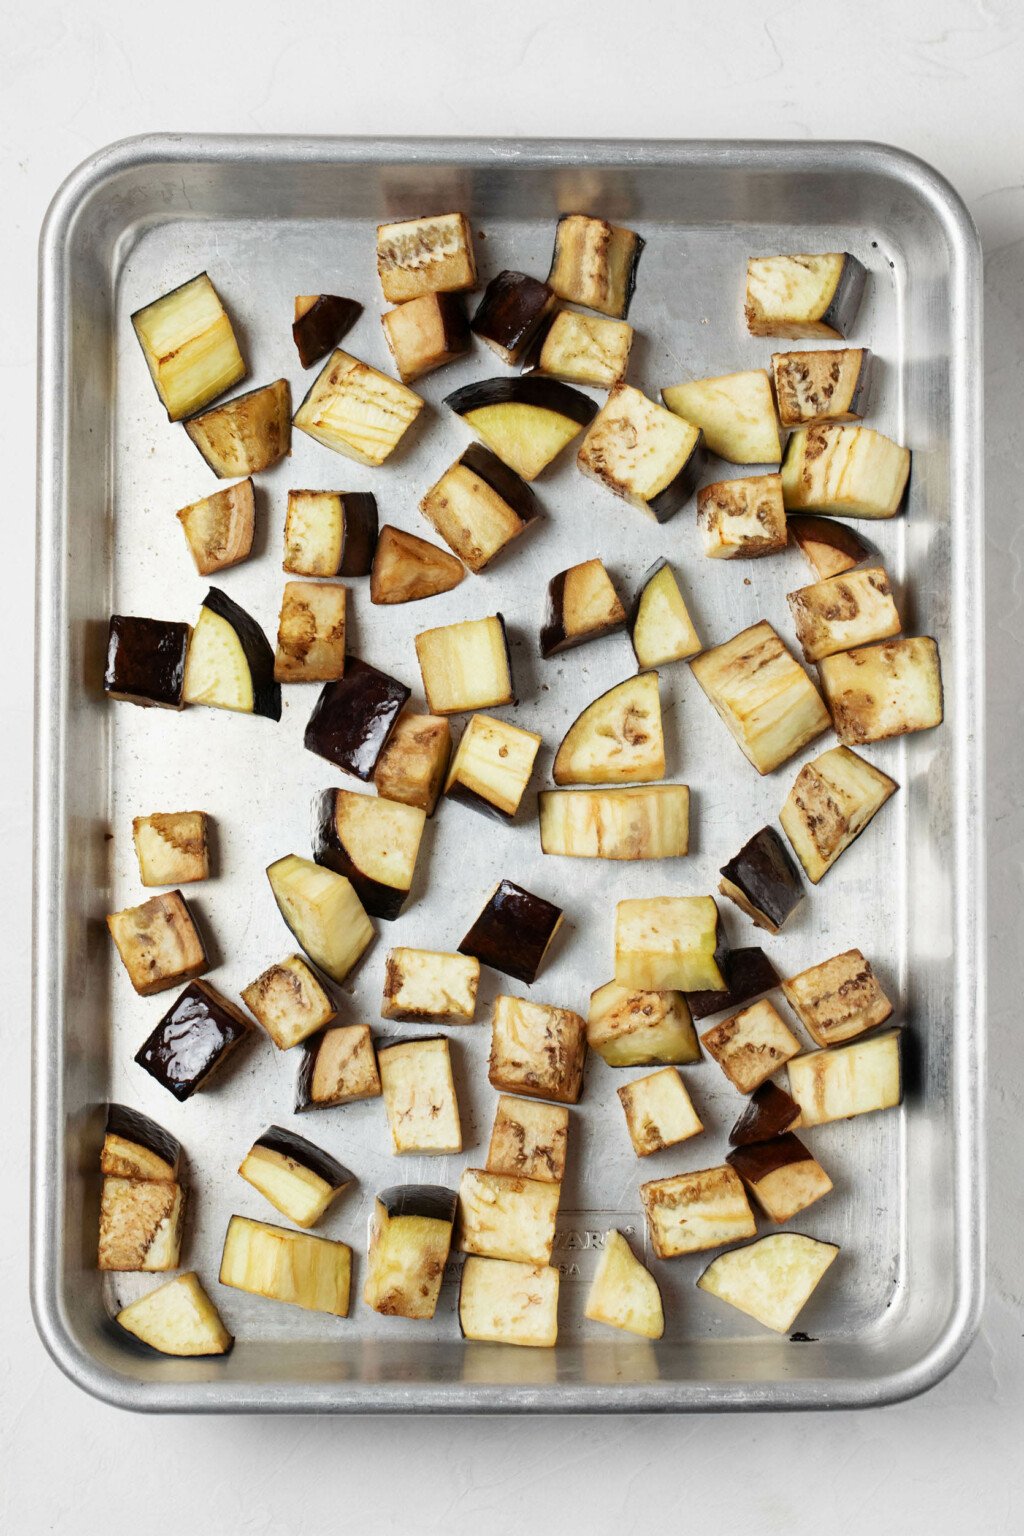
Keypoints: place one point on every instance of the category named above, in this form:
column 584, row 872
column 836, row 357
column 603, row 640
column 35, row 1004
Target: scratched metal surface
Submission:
column 269, row 220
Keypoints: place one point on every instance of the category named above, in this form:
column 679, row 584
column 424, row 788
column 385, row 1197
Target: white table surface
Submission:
column 940, row 77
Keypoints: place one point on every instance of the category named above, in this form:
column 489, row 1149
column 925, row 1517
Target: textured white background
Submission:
column 941, row 77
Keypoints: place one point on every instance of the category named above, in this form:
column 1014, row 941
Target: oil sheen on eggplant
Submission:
column 513, row 932
column 747, row 972
column 354, row 717
column 763, row 880
column 146, row 661
column 192, row 1039
column 769, row 1112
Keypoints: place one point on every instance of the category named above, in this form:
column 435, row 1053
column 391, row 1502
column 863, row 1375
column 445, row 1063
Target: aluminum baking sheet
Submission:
column 269, row 219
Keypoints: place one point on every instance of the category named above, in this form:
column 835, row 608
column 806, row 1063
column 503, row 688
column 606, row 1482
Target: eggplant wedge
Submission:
column 505, row 1303
column 510, row 314
column 314, row 1273
column 537, row 1050
column 662, row 629
column 594, row 263
column 425, row 334
column 420, row 256
column 526, row 421
column 323, row 913
column 652, row 822
column 514, row 932
column 831, row 802
column 799, row 297
column 770, row 1113
column 354, row 717
column 178, row 1318
column 374, row 843
column 193, row 1040
column 642, row 452
column 230, row 661
column 771, row 1280
column 582, row 349
column 623, row 1293
column 617, row 739
column 219, row 529
column 466, row 666
column 878, row 691
column 829, row 547
column 736, row 414
column 492, row 767
column 844, row 472
column 668, row 943
column 409, row 1242
column 419, row 1096
column 311, row 633
column 337, row 1066
column 247, row 434
column 763, row 881
column 659, row 1112
column 427, row 986
column 765, row 698
column 407, row 568
column 844, row 611
column 846, row 1080
column 356, row 410
column 135, row 1147
column 141, row 1224
column 503, row 1216
column 748, row 973
column 289, row 1002
column 479, row 506
column 742, row 519
column 839, row 999
column 815, row 387
column 751, row 1045
column 582, row 605
column 158, row 943
column 693, row 1211
column 330, row 533
column 412, row 767
column 298, row 1178
column 529, row 1139
column 630, row 1028
column 321, row 320
column 189, row 347
column 172, row 847
column 146, row 661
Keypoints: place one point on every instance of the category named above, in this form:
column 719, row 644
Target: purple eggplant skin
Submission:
column 146, row 661
column 845, row 301
column 530, row 389
column 766, row 874
column 513, row 932
column 747, row 972
column 383, row 901
column 828, row 530
column 678, row 491
column 553, row 636
column 191, row 1039
column 132, row 1125
column 756, row 1161
column 354, row 717
column 320, row 329
column 290, row 1144
column 770, row 1113
column 259, row 654
column 474, row 802
column 513, row 308
column 503, row 481
column 431, row 1201
column 358, row 533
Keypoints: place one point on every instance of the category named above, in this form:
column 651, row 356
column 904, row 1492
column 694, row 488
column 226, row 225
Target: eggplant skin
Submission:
column 503, row 481
column 291, row 1145
column 192, row 1039
column 513, row 932
column 770, row 1112
column 320, row 328
column 146, row 661
column 431, row 1201
column 131, row 1125
column 379, row 900
column 512, row 310
column 359, row 533
column 354, row 717
column 259, row 653
column 747, row 972
column 763, row 880
column 545, row 394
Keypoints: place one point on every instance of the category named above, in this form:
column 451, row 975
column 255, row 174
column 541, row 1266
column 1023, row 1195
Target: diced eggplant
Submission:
column 321, row 320
column 623, row 1293
column 140, row 1224
column 310, row 633
column 426, row 333
column 502, row 1216
column 159, row 943
column 844, row 471
column 742, row 518
column 878, row 691
column 782, row 1176
column 815, row 387
column 330, row 533
column 492, row 767
column 189, row 346
column 219, row 529
column 354, row 717
column 410, row 1238
column 314, row 1273
column 693, row 1211
column 537, row 1050
column 583, row 349
column 135, row 1147
column 230, row 661
column 770, row 1280
column 430, row 255
column 643, row 453
column 763, row 881
column 628, row 1028
column 659, row 1112
column 526, row 421
column 582, row 605
column 747, row 972
column 662, row 630
column 770, row 1113
column 247, row 434
column 767, row 701
column 751, row 1045
column 338, row 1066
column 298, row 1178
column 829, row 547
column 513, row 932
column 831, row 802
column 668, row 943
column 374, row 843
column 419, row 1095
column 511, row 312
column 178, row 1318
column 652, row 822
column 172, row 847
column 505, row 1303
column 839, row 999
column 407, row 568
column 735, row 412
column 146, row 661
column 323, row 913
column 194, row 1038
column 479, row 506
column 844, row 611
column 594, row 263
column 529, row 1139
column 412, row 766
column 289, row 1001
column 804, row 296
column 356, row 410
column 466, row 666
column 617, row 739
column 426, row 986
column 847, row 1080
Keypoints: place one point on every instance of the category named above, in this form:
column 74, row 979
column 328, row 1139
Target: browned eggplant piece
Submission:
column 770, row 1113
column 413, row 764
column 763, row 880
column 330, row 533
column 479, row 505
column 146, row 661
column 802, row 295
column 194, row 1037
column 425, row 255
column 337, row 1066
column 747, row 972
column 356, row 410
column 140, row 1224
column 526, row 420
column 426, row 333
column 582, row 605
column 230, row 661
column 511, row 312
column 311, row 633
column 594, row 263
column 642, row 452
column 246, row 434
column 830, row 385
column 135, row 1147
column 513, row 932
column 410, row 1236
column 159, row 943
column 219, row 529
column 407, row 569
column 299, row 1178
column 321, row 320
column 372, row 842
column 839, row 999
column 781, row 1175
column 582, row 349
column 829, row 547
column 354, row 717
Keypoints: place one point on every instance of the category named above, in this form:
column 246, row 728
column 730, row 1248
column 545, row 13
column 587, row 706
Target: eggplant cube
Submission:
column 537, row 1050
column 513, row 932
column 407, row 569
column 353, row 718
column 323, row 912
column 767, row 701
column 659, row 1112
column 135, row 1147
column 419, row 1096
column 289, row 1002
column 880, row 691
column 172, row 847
column 763, row 881
column 839, row 999
column 466, row 666
column 220, row 528
column 230, row 663
column 736, row 414
column 314, row 1273
column 643, row 453
column 492, row 767
column 330, row 533
column 420, row 256
column 140, row 1224
column 525, row 421
column 770, row 1280
column 411, row 769
column 424, row 986
column 248, row 434
column 844, row 611
column 770, row 1113
column 357, row 411
column 829, row 547
column 594, row 263
column 742, row 518
column 479, row 506
column 844, row 471
column 374, row 843
column 816, row 387
column 310, row 633
column 629, row 1028
column 583, row 349
column 178, row 1318
column 195, row 1037
column 847, row 1080
column 189, row 346
column 321, row 320
column 298, row 1178
column 425, row 333
column 338, row 1066
column 582, row 605
column 623, row 1293
column 646, row 822
column 804, row 296
column 159, row 943
column 747, row 972
column 617, row 739
column 752, row 1045
column 662, row 629
column 529, row 1139
column 502, row 1216
column 410, row 1238
column 693, row 1211
column 831, row 802
column 146, row 661
column 667, row 943
column 511, row 312
column 506, row 1303
column 782, row 1176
